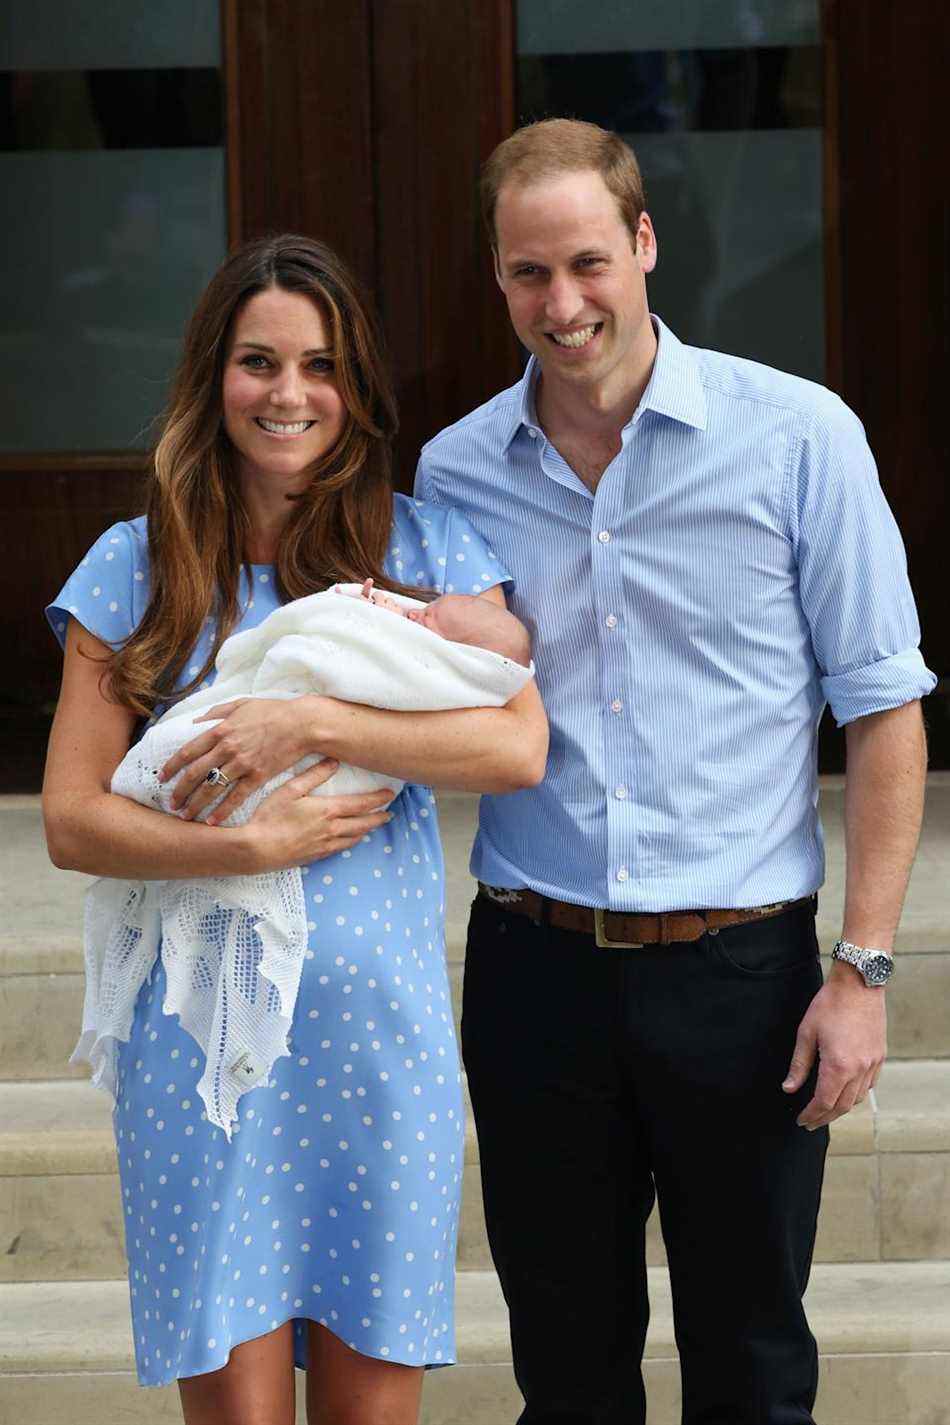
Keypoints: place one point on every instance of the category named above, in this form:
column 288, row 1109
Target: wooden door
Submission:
column 366, row 123
column 888, row 298
column 363, row 124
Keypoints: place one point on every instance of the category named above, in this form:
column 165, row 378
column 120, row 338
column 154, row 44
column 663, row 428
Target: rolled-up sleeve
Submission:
column 852, row 572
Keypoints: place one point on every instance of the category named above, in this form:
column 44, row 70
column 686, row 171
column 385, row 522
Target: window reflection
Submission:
column 111, row 108
column 723, row 105
column 112, row 182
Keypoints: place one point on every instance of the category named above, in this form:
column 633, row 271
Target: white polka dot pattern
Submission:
column 337, row 1199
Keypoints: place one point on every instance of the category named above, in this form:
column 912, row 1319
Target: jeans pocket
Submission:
column 765, row 949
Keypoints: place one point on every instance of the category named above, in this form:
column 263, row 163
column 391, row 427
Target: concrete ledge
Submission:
column 884, row 1334
column 65, row 1126
column 910, row 1389
column 913, row 1107
column 887, row 1308
column 925, row 925
column 41, row 956
column 61, row 1229
column 886, row 1197
column 56, row 1127
column 44, row 905
column 38, row 953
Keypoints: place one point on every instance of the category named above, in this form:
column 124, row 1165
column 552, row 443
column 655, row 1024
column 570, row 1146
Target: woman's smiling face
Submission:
column 281, row 405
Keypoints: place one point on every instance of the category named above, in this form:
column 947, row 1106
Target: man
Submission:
column 702, row 553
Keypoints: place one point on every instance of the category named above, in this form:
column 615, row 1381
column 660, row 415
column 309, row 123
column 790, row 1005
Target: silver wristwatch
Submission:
column 874, row 966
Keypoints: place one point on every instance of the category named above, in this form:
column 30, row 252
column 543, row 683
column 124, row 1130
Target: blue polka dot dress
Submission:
column 337, row 1199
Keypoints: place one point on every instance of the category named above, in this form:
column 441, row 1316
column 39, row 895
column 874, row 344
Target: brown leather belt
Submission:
column 620, row 930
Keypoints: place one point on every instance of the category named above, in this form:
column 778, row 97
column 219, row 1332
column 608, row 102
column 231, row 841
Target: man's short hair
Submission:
column 552, row 147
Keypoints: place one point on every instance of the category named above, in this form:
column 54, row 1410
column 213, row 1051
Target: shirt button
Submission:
column 604, row 536
column 532, row 432
column 611, row 620
column 616, row 705
column 622, row 873
column 620, row 792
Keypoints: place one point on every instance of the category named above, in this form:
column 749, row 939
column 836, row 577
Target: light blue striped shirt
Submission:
column 736, row 569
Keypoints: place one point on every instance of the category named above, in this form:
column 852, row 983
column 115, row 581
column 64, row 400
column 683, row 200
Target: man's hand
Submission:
column 846, row 1026
column 846, row 1022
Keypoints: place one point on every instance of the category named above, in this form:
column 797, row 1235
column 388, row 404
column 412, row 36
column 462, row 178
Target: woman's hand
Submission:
column 290, row 827
column 254, row 739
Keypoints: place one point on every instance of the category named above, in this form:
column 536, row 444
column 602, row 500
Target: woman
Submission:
column 325, row 1231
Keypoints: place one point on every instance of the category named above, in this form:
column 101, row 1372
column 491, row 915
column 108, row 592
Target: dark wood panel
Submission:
column 892, row 308
column 831, row 197
column 48, row 519
column 443, row 98
column 894, row 167
column 366, row 125
column 300, row 122
column 49, row 516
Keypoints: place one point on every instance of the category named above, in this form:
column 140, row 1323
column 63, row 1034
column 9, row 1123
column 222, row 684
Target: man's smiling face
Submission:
column 574, row 284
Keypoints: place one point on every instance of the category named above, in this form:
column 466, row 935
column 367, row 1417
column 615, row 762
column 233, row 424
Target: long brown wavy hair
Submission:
column 338, row 527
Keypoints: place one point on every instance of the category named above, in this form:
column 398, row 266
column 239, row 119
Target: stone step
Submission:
column 886, row 1196
column 883, row 1331
column 918, row 1024
column 925, row 923
column 43, row 905
column 41, row 994
column 41, row 981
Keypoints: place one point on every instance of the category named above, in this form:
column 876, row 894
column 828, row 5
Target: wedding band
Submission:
column 216, row 778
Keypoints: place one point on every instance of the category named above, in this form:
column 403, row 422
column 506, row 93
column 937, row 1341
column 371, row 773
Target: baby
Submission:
column 233, row 946
column 462, row 618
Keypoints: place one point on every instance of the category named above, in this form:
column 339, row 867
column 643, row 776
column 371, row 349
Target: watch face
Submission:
column 877, row 969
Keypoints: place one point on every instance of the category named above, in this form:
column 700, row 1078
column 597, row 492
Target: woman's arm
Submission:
column 90, row 829
column 469, row 749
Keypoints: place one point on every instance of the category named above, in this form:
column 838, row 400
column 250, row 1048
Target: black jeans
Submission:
column 601, row 1078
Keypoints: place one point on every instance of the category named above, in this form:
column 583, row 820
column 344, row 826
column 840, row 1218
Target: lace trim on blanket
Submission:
column 232, row 975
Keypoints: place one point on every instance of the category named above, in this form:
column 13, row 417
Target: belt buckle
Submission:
column 604, row 942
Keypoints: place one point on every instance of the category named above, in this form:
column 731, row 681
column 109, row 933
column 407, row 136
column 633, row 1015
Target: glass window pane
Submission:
column 110, row 34
column 112, row 178
column 723, row 106
column 567, row 27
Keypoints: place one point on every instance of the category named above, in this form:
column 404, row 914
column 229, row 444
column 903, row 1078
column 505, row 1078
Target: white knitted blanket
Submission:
column 233, row 946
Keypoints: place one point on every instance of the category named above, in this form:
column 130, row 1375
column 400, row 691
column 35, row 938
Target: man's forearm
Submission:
column 884, row 798
column 469, row 749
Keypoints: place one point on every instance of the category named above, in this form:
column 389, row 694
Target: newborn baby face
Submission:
column 481, row 623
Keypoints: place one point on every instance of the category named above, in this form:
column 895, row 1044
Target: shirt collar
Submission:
column 524, row 416
column 675, row 387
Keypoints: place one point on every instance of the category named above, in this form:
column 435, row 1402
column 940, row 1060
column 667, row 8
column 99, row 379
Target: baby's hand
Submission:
column 365, row 593
column 383, row 601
